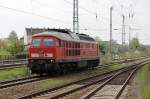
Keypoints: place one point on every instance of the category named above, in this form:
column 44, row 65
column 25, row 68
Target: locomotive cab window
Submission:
column 48, row 42
column 36, row 42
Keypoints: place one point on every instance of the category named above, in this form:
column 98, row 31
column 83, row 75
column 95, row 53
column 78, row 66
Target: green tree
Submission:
column 21, row 45
column 12, row 38
column 103, row 45
column 15, row 45
column 134, row 44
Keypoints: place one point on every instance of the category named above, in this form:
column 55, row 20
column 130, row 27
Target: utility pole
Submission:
column 129, row 34
column 137, row 35
column 123, row 30
column 111, row 31
column 75, row 17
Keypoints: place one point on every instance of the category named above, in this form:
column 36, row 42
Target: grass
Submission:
column 105, row 59
column 14, row 73
column 3, row 52
column 142, row 74
column 117, row 66
column 132, row 54
column 145, row 94
column 143, row 77
column 52, row 83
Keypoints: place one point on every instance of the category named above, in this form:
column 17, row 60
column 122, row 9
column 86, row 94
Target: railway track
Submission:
column 19, row 81
column 7, row 64
column 127, row 60
column 64, row 91
column 29, row 79
column 120, row 78
column 12, row 61
column 24, row 80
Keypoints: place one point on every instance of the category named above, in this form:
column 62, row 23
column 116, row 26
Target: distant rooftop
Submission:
column 32, row 31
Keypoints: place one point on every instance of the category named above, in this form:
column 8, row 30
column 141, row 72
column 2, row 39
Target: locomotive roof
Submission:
column 69, row 36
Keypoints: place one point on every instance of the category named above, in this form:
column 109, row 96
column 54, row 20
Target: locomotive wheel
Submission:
column 41, row 70
column 57, row 69
column 32, row 71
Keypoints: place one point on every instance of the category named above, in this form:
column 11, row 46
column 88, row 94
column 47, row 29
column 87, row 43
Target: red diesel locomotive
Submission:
column 60, row 50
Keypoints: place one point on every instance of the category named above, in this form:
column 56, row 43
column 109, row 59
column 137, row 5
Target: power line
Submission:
column 86, row 10
column 80, row 7
column 48, row 6
column 92, row 29
column 30, row 13
column 68, row 2
column 118, row 9
column 72, row 4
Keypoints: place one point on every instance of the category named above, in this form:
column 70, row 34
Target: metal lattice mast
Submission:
column 111, row 31
column 123, row 30
column 75, row 17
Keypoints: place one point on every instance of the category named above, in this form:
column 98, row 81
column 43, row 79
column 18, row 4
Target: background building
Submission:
column 31, row 31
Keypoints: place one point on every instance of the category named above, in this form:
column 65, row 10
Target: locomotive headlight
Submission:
column 51, row 61
column 49, row 55
column 34, row 55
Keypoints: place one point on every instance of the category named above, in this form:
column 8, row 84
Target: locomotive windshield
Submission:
column 48, row 42
column 36, row 42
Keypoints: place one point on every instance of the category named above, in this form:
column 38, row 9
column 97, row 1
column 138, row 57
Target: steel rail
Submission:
column 5, row 83
column 24, row 78
column 18, row 79
column 90, row 94
column 127, row 81
column 109, row 78
column 24, row 81
column 125, row 84
column 14, row 64
column 65, row 85
column 17, row 65
column 13, row 60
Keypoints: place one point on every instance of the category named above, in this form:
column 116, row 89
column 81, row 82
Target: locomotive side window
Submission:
column 69, row 44
column 92, row 45
column 73, row 45
column 66, row 44
column 63, row 43
column 57, row 43
column 48, row 42
column 78, row 45
column 81, row 45
column 36, row 42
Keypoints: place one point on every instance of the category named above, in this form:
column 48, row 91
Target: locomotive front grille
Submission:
column 48, row 55
column 34, row 55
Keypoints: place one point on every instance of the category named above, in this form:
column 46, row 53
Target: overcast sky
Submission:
column 18, row 14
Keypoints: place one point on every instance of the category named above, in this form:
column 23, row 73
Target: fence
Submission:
column 13, row 57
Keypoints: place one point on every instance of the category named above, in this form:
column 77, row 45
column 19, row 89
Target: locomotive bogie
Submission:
column 44, row 66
